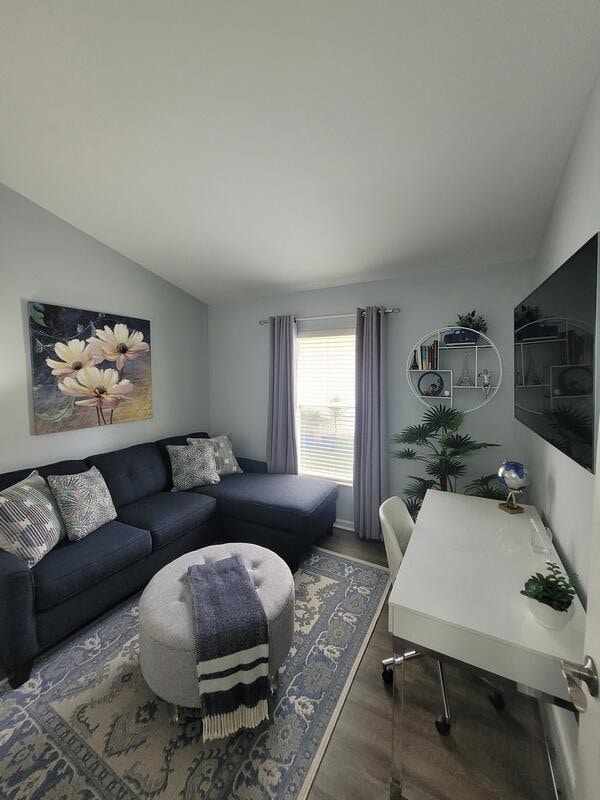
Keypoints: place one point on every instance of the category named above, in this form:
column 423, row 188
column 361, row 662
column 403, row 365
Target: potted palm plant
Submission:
column 550, row 597
column 442, row 450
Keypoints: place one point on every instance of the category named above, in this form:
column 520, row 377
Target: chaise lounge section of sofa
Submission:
column 77, row 581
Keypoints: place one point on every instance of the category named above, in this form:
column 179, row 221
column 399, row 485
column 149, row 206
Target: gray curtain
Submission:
column 370, row 430
column 281, row 425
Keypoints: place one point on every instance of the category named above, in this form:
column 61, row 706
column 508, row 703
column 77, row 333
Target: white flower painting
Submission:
column 89, row 368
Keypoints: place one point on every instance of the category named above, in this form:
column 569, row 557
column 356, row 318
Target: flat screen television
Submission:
column 555, row 384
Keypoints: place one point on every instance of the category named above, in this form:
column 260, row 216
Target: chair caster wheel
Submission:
column 387, row 673
column 443, row 726
column 497, row 700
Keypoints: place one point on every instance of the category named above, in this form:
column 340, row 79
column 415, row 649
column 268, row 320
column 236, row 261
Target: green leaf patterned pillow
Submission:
column 224, row 457
column 30, row 523
column 193, row 465
column 84, row 502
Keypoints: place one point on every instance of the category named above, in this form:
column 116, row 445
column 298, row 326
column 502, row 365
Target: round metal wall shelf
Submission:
column 449, row 366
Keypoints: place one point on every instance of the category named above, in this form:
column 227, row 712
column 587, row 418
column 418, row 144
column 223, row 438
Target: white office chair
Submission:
column 397, row 526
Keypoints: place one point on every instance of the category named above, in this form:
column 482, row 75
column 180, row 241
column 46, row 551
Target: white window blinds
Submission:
column 325, row 404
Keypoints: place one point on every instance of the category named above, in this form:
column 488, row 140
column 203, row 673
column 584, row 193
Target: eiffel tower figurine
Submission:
column 465, row 378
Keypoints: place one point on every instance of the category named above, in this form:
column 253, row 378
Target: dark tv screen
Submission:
column 555, row 359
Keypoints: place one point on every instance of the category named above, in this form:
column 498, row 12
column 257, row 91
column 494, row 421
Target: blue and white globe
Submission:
column 514, row 475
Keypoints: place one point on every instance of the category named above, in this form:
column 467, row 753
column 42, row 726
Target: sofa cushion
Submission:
column 74, row 566
column 193, row 465
column 132, row 473
column 175, row 441
column 84, row 502
column 168, row 515
column 30, row 522
column 279, row 501
column 225, row 459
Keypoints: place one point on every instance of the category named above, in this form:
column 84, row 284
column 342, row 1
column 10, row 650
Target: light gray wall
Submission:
column 238, row 348
column 562, row 489
column 43, row 258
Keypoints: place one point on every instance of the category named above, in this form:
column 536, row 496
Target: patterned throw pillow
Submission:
column 225, row 459
column 84, row 501
column 30, row 523
column 193, row 465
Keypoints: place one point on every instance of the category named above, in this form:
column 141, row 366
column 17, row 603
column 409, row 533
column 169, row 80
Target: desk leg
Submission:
column 398, row 722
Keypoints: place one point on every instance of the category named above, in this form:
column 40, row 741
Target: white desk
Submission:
column 457, row 595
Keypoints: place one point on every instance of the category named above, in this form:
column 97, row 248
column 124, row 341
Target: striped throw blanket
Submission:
column 232, row 648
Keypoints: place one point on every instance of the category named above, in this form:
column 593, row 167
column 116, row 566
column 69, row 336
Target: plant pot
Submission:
column 461, row 337
column 548, row 617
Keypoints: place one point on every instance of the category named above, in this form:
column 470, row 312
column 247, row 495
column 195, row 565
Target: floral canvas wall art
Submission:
column 89, row 368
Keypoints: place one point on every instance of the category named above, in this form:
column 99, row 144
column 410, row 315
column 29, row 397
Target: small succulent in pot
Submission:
column 552, row 591
column 472, row 320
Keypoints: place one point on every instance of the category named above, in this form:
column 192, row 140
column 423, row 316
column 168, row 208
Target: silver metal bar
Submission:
column 443, row 691
column 331, row 316
column 389, row 662
column 398, row 732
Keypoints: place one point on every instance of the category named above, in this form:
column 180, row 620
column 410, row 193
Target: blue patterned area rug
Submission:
column 87, row 727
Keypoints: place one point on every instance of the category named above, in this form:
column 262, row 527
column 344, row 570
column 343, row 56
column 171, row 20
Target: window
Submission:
column 325, row 404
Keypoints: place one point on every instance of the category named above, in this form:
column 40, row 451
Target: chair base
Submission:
column 443, row 723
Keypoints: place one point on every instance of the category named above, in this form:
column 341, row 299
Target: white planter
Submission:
column 547, row 616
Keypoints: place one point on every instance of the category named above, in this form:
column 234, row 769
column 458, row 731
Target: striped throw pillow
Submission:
column 30, row 523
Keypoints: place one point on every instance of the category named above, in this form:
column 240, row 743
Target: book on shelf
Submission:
column 425, row 357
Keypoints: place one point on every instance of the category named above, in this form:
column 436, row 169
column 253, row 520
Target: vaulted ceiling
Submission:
column 253, row 146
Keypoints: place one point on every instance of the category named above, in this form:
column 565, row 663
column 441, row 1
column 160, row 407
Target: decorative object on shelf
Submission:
column 576, row 381
column 442, row 452
column 460, row 366
column 515, row 477
column 550, row 597
column 461, row 336
column 486, row 381
column 472, row 320
column 89, row 368
column 465, row 376
column 431, row 384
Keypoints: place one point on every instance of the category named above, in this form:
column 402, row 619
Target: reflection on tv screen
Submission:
column 554, row 357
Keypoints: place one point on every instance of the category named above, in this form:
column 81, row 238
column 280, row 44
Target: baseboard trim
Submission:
column 344, row 525
column 560, row 730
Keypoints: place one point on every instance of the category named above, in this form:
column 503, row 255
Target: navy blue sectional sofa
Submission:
column 76, row 581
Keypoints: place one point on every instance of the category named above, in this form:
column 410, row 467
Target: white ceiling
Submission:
column 248, row 147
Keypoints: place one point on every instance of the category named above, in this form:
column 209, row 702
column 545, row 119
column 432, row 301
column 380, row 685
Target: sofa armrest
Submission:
column 18, row 634
column 251, row 465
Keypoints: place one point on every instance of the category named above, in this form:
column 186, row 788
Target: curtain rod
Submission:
column 331, row 316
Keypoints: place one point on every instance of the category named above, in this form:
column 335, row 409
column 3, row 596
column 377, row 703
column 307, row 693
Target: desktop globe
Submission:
column 515, row 477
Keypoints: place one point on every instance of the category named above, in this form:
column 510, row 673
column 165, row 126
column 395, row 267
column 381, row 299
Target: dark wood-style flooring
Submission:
column 488, row 755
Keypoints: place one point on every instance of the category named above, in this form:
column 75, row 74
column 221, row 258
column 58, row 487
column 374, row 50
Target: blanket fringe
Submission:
column 219, row 726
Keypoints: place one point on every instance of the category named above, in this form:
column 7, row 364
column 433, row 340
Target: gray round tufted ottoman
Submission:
column 167, row 654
